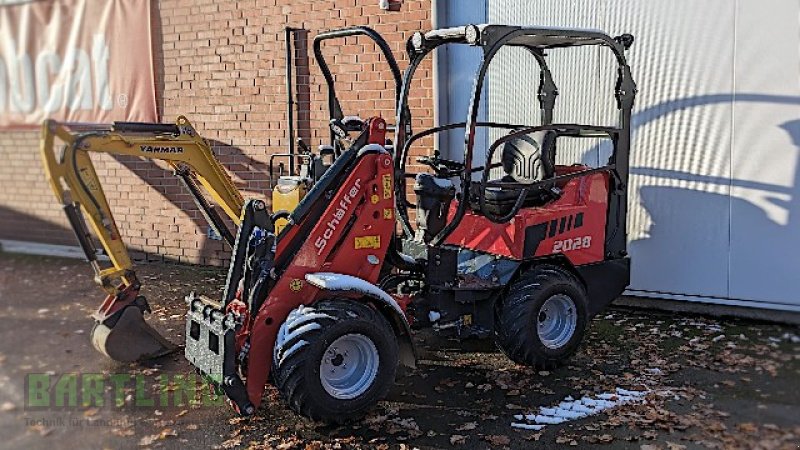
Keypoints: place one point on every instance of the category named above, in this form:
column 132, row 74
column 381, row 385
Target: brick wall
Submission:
column 221, row 63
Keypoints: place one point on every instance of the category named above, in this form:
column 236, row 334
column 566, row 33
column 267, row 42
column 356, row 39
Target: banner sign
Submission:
column 76, row 61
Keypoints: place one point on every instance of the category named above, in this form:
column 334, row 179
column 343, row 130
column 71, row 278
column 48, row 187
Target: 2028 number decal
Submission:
column 572, row 244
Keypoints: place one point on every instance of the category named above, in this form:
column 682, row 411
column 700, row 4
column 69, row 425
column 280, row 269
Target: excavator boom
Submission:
column 120, row 331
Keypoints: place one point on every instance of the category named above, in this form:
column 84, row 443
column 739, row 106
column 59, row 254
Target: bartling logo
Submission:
column 337, row 217
column 82, row 390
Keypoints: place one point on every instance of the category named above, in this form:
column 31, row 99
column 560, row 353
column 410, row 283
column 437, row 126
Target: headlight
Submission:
column 472, row 34
column 417, row 40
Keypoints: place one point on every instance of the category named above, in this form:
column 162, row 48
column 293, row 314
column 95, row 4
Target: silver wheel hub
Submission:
column 557, row 321
column 349, row 366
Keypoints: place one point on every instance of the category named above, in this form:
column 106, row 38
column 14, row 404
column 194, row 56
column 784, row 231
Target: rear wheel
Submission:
column 333, row 361
column 542, row 319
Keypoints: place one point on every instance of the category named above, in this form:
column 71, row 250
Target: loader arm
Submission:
column 75, row 183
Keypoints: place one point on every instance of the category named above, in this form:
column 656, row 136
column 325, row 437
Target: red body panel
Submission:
column 366, row 196
column 581, row 208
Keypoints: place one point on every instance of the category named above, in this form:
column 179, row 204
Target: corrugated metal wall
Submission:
column 714, row 195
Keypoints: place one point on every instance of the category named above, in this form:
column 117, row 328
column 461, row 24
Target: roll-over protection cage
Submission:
column 536, row 40
column 334, row 107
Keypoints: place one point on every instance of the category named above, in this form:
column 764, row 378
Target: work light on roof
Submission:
column 417, row 40
column 472, row 34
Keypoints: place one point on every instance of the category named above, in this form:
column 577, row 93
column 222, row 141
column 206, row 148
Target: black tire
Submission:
column 296, row 365
column 520, row 311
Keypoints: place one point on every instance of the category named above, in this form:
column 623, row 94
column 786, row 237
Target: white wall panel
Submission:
column 678, row 224
column 680, row 162
column 765, row 196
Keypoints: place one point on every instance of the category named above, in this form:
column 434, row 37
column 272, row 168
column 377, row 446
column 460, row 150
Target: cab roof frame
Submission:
column 537, row 40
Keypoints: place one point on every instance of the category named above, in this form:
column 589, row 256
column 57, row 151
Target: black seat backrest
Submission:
column 530, row 157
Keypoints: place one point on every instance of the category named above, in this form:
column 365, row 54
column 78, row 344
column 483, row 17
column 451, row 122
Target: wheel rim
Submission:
column 349, row 366
column 557, row 321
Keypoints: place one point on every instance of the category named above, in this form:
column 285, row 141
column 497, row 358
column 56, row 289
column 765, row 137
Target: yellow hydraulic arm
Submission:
column 76, row 185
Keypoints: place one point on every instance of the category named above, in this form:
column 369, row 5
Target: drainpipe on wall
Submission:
column 438, row 14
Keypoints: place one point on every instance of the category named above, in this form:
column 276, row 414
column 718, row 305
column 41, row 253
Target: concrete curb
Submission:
column 36, row 248
column 709, row 309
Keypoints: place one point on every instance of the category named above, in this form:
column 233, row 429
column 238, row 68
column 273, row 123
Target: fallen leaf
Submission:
column 497, row 439
column 467, row 426
column 123, row 432
column 8, row 407
column 674, row 446
column 458, row 439
column 534, row 437
column 167, row 432
column 148, row 440
column 231, row 443
column 605, row 438
column 41, row 429
column 747, row 427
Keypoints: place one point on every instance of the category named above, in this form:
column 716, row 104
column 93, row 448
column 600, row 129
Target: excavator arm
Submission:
column 120, row 331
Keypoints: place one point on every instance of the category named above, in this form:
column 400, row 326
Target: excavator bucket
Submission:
column 126, row 337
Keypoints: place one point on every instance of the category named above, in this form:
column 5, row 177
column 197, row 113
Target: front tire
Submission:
column 542, row 319
column 335, row 360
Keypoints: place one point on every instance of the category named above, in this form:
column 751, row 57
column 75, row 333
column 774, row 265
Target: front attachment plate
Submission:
column 206, row 329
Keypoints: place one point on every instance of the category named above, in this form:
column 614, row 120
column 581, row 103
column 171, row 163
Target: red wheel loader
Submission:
column 508, row 244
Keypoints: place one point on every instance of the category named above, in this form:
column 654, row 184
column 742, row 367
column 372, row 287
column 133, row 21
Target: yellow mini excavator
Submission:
column 120, row 331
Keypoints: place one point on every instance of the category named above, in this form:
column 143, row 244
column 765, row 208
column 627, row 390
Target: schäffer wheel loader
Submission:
column 527, row 255
column 509, row 243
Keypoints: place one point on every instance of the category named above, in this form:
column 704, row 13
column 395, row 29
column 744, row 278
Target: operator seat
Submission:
column 525, row 159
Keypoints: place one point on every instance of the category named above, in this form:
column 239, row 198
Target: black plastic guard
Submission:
column 605, row 281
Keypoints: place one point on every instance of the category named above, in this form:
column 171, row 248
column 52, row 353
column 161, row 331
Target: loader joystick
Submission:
column 304, row 148
column 338, row 128
column 444, row 168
